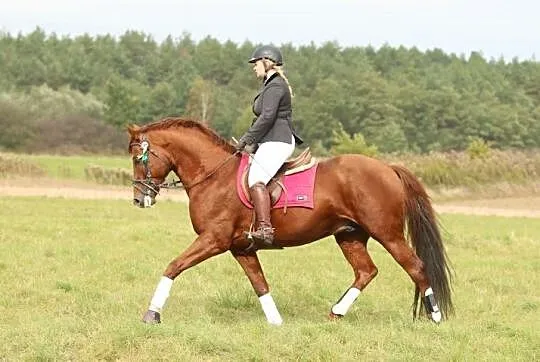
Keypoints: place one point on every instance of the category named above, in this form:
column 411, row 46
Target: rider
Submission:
column 271, row 131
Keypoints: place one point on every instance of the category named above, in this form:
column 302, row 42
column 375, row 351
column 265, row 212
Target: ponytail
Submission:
column 269, row 64
column 279, row 70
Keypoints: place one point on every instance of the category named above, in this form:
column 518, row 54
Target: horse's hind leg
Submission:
column 354, row 247
column 397, row 246
column 252, row 267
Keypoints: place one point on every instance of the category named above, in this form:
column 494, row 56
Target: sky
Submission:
column 496, row 28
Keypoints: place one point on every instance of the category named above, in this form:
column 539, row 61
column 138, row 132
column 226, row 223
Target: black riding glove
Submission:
column 241, row 145
column 251, row 148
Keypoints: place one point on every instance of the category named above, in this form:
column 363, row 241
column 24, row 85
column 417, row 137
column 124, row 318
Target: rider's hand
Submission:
column 240, row 145
column 251, row 148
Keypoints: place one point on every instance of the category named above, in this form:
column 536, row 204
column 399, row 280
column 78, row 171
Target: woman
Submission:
column 271, row 131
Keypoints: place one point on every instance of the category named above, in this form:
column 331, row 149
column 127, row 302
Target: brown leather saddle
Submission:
column 293, row 165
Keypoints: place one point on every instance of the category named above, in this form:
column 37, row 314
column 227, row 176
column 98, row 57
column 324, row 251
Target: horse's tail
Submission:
column 425, row 237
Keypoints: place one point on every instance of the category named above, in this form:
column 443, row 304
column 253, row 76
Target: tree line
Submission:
column 396, row 99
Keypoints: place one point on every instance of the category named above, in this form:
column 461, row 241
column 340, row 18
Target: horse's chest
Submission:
column 204, row 213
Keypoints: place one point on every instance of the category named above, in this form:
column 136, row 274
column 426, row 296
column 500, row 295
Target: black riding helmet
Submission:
column 267, row 52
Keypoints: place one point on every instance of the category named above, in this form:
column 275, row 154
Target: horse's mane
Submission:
column 177, row 122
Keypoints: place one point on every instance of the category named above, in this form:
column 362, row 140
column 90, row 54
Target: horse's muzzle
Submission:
column 144, row 201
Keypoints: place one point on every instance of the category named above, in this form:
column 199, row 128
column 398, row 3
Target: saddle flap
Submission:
column 274, row 187
column 296, row 177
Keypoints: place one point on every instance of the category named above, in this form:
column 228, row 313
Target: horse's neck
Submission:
column 195, row 155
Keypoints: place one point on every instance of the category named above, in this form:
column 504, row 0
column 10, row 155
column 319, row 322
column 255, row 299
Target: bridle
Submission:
column 147, row 185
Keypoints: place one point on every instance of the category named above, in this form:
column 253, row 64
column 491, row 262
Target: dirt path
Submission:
column 487, row 210
column 82, row 192
column 510, row 207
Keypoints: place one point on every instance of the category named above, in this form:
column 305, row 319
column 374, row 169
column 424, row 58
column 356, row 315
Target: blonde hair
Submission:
column 268, row 64
column 279, row 70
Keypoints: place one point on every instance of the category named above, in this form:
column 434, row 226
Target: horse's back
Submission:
column 360, row 178
column 357, row 165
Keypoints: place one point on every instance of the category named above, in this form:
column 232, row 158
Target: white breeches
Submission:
column 269, row 157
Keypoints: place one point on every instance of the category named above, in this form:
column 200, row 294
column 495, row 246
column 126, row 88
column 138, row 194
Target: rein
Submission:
column 149, row 183
column 195, row 183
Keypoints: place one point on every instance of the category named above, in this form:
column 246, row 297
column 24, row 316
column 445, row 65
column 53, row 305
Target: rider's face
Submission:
column 258, row 68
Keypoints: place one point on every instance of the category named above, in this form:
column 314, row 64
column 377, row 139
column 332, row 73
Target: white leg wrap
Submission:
column 436, row 314
column 346, row 301
column 270, row 310
column 161, row 294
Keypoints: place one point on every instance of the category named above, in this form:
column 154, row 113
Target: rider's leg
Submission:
column 269, row 157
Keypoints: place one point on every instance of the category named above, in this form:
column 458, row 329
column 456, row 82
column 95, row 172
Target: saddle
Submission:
column 294, row 165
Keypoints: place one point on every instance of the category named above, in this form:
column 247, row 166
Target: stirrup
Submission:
column 260, row 243
column 264, row 235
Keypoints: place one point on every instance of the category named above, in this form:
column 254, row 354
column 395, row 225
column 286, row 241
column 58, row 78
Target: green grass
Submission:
column 109, row 170
column 72, row 167
column 76, row 277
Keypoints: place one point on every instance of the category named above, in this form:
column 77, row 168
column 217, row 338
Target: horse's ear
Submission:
column 133, row 129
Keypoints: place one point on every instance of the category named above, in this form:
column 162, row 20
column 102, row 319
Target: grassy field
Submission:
column 77, row 275
column 110, row 170
column 72, row 167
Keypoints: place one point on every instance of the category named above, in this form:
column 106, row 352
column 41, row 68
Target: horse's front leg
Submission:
column 204, row 247
column 252, row 267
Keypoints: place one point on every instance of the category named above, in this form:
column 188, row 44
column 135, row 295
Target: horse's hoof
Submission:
column 436, row 317
column 151, row 317
column 334, row 317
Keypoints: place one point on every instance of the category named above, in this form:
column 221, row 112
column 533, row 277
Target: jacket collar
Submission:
column 269, row 79
column 265, row 82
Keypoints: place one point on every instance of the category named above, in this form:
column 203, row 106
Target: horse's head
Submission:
column 151, row 165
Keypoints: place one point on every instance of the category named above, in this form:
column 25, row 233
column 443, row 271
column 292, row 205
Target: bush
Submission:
column 77, row 135
column 478, row 148
column 44, row 119
column 16, row 129
column 460, row 169
column 344, row 143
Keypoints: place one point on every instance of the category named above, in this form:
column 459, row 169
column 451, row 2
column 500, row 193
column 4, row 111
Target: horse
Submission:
column 355, row 198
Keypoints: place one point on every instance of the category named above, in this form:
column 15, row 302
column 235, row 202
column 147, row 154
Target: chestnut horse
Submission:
column 355, row 198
